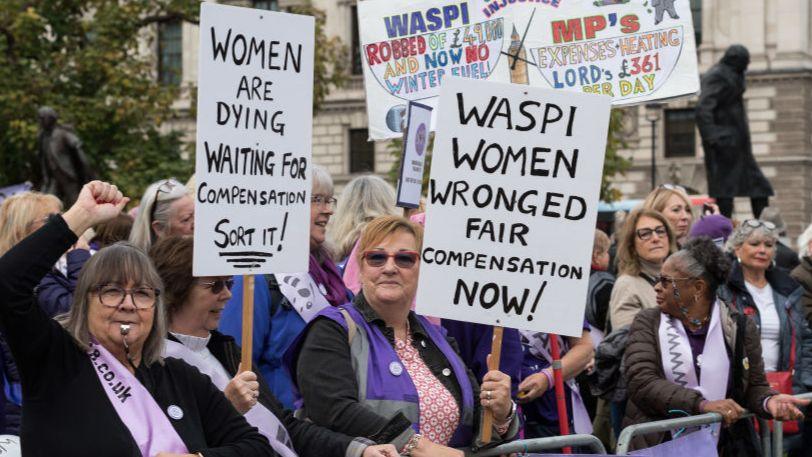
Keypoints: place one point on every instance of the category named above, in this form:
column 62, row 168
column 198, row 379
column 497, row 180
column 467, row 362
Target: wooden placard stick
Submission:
column 493, row 364
column 247, row 322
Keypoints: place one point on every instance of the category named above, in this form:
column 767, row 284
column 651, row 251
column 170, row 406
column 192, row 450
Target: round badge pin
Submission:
column 446, row 372
column 175, row 412
column 395, row 368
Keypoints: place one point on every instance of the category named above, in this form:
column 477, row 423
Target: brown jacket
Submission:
column 652, row 396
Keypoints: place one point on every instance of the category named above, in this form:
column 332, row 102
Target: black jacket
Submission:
column 67, row 412
column 309, row 439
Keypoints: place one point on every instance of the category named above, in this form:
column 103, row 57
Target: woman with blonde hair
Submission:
column 24, row 213
column 166, row 209
column 362, row 200
column 673, row 202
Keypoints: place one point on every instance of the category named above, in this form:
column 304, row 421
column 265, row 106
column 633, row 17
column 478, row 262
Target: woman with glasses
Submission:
column 96, row 383
column 374, row 368
column 647, row 239
column 770, row 297
column 194, row 306
column 693, row 354
column 673, row 203
column 284, row 303
column 166, row 209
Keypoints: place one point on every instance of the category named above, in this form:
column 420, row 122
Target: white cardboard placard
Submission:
column 415, row 143
column 512, row 205
column 254, row 123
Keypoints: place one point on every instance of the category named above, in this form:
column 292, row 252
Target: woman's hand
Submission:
column 243, row 391
column 494, row 394
column 533, row 387
column 97, row 202
column 426, row 448
column 81, row 243
column 784, row 407
column 381, row 450
column 729, row 409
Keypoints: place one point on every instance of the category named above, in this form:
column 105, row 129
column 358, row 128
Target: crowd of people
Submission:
column 110, row 345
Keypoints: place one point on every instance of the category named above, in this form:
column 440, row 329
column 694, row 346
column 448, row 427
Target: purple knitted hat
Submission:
column 714, row 226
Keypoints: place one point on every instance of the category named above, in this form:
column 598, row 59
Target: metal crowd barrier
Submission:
column 542, row 444
column 666, row 425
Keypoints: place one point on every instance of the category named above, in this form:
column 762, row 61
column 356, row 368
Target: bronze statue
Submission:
column 63, row 164
column 731, row 169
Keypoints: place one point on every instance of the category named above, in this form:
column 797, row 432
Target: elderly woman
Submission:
column 285, row 303
column 772, row 299
column 194, row 306
column 166, row 209
column 106, row 355
column 374, row 368
column 803, row 272
column 363, row 199
column 646, row 241
column 673, row 203
column 693, row 354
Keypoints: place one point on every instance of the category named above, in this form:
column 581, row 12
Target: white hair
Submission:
column 142, row 234
column 803, row 242
column 362, row 200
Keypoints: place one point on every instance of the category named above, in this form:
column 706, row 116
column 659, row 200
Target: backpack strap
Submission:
column 351, row 327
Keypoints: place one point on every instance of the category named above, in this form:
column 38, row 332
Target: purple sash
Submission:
column 259, row 416
column 538, row 342
column 148, row 425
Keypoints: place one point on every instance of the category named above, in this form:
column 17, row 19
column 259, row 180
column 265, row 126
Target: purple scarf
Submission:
column 327, row 276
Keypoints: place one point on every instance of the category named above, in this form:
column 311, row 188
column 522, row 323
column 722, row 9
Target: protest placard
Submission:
column 512, row 205
column 408, row 47
column 415, row 142
column 632, row 51
column 254, row 122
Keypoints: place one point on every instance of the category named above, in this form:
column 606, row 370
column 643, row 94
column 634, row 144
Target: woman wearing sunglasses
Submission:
column 693, row 354
column 374, row 368
column 194, row 306
column 166, row 209
column 772, row 299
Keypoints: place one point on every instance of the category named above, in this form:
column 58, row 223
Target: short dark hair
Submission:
column 115, row 230
column 172, row 256
column 701, row 258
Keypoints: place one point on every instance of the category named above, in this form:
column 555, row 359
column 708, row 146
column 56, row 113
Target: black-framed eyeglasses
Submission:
column 218, row 285
column 113, row 296
column 646, row 233
column 756, row 223
column 663, row 280
column 164, row 188
column 323, row 200
column 403, row 259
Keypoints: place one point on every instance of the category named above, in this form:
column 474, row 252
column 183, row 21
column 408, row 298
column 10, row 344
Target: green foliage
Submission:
column 90, row 61
column 613, row 165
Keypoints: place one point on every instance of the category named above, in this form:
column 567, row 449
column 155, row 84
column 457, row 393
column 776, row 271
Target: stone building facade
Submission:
column 778, row 34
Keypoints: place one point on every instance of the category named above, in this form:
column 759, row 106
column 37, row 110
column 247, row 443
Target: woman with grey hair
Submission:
column 803, row 272
column 362, row 200
column 285, row 303
column 166, row 209
column 97, row 385
column 770, row 297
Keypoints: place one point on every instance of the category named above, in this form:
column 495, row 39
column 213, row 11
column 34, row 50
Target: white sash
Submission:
column 538, row 347
column 259, row 416
column 677, row 357
column 147, row 423
column 306, row 297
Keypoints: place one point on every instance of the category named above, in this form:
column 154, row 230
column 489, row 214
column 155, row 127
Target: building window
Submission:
column 696, row 13
column 170, row 53
column 270, row 5
column 362, row 152
column 680, row 136
column 356, row 43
